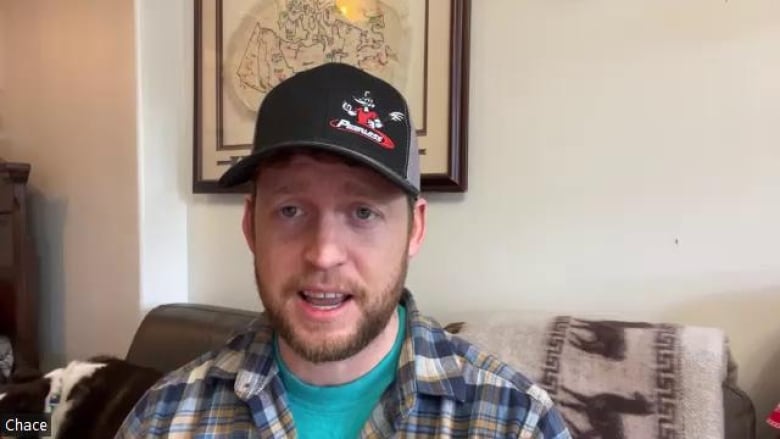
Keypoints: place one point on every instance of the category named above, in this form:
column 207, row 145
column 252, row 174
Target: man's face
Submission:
column 331, row 244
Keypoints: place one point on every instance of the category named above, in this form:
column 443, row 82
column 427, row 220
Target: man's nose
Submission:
column 325, row 248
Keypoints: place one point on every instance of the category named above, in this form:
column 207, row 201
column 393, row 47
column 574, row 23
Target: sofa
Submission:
column 610, row 379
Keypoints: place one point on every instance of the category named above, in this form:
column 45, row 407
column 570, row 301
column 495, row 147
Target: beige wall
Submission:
column 69, row 110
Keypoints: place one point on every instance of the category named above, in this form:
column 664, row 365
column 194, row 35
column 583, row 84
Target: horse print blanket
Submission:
column 616, row 380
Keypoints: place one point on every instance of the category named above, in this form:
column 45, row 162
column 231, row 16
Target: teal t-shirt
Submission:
column 340, row 411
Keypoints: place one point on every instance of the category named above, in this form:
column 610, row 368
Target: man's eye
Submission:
column 289, row 211
column 364, row 213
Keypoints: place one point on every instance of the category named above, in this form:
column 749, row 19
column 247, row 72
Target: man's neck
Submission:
column 344, row 371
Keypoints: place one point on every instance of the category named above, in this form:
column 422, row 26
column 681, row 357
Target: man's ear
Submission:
column 248, row 222
column 417, row 234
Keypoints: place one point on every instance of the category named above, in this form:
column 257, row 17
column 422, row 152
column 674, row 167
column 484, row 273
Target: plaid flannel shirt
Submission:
column 444, row 387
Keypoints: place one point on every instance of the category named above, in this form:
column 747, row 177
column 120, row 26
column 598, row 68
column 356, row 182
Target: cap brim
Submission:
column 244, row 170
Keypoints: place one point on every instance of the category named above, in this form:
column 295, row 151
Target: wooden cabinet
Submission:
column 18, row 298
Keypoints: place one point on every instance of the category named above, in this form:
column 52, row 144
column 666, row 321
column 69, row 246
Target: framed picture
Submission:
column 243, row 48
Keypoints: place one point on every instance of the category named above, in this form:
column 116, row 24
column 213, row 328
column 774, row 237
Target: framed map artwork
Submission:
column 243, row 48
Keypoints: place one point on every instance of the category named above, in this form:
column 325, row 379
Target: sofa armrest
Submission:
column 172, row 335
column 740, row 414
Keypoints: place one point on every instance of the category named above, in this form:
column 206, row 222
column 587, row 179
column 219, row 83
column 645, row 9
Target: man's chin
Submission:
column 323, row 348
column 335, row 341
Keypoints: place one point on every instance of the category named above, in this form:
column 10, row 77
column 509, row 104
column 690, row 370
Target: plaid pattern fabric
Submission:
column 444, row 387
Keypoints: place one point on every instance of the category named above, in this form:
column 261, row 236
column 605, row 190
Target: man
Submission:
column 341, row 350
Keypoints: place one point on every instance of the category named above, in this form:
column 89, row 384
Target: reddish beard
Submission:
column 376, row 308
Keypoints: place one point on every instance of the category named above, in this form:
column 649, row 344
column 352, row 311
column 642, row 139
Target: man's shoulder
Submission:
column 481, row 368
column 493, row 392
column 223, row 362
column 197, row 388
column 478, row 367
column 213, row 371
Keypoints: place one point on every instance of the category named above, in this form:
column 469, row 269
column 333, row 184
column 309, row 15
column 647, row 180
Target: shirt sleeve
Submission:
column 135, row 424
column 552, row 426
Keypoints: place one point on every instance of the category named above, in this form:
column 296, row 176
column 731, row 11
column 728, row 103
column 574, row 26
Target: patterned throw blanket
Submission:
column 616, row 380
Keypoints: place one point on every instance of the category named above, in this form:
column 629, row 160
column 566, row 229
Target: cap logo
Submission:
column 368, row 121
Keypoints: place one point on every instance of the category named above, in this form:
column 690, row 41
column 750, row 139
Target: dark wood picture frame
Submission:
column 455, row 179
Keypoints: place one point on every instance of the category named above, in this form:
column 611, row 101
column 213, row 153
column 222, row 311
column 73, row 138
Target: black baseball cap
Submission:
column 340, row 109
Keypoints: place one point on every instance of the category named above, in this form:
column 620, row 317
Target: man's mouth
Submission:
column 324, row 300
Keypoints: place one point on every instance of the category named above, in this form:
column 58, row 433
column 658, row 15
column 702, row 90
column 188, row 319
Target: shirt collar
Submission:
column 428, row 363
column 246, row 359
